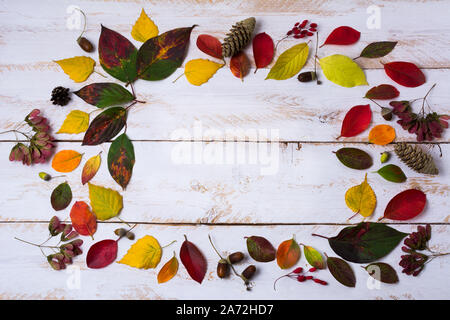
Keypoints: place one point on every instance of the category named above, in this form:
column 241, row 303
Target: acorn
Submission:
column 85, row 44
column 45, row 176
column 120, row 232
column 385, row 157
column 249, row 272
column 235, row 257
column 130, row 235
column 223, row 268
column 306, row 76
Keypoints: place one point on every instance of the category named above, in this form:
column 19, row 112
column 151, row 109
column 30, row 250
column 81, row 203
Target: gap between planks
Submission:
column 253, row 141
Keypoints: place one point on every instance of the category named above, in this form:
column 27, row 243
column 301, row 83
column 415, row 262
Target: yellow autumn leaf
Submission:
column 106, row 203
column 199, row 71
column 343, row 71
column 90, row 168
column 169, row 270
column 77, row 68
column 144, row 254
column 382, row 134
column 144, row 28
column 361, row 199
column 66, row 160
column 289, row 63
column 76, row 122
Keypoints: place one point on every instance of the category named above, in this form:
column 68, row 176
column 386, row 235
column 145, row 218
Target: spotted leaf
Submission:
column 121, row 160
column 105, row 126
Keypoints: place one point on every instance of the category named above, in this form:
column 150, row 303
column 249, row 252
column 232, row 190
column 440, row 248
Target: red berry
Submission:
column 301, row 278
column 301, row 35
column 324, row 283
column 296, row 31
column 304, row 32
column 313, row 25
column 298, row 270
column 297, row 24
column 289, row 33
column 305, row 22
column 298, row 36
column 309, row 277
column 312, row 29
column 312, row 269
column 309, row 34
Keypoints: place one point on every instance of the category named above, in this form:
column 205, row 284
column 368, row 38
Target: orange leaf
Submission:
column 90, row 168
column 83, row 220
column 382, row 134
column 288, row 254
column 66, row 160
column 169, row 270
column 239, row 65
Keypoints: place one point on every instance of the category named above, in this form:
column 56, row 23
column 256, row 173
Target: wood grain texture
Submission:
column 307, row 185
column 25, row 273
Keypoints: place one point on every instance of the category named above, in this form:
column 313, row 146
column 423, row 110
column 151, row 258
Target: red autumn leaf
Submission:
column 263, row 50
column 356, row 121
column 239, row 65
column 405, row 73
column 405, row 205
column 83, row 220
column 343, row 35
column 210, row 45
column 193, row 260
column 382, row 92
column 101, row 254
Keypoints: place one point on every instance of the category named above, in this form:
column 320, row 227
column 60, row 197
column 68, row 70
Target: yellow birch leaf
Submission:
column 361, row 199
column 289, row 63
column 77, row 68
column 90, row 168
column 144, row 254
column 144, row 28
column 169, row 270
column 66, row 160
column 76, row 122
column 199, row 71
column 106, row 203
column 343, row 71
column 382, row 134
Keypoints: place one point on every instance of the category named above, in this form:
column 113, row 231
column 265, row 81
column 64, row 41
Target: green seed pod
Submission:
column 236, row 257
column 385, row 157
column 223, row 269
column 45, row 176
column 121, row 232
column 249, row 272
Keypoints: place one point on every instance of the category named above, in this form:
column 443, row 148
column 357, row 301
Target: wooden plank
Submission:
column 307, row 184
column 422, row 39
column 25, row 273
column 305, row 112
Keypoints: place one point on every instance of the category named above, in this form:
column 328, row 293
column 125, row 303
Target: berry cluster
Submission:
column 65, row 252
column 302, row 30
column 41, row 145
column 297, row 274
column 425, row 126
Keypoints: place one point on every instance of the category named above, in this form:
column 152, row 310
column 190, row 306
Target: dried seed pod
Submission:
column 121, row 232
column 416, row 158
column 236, row 257
column 249, row 272
column 306, row 76
column 223, row 268
column 85, row 44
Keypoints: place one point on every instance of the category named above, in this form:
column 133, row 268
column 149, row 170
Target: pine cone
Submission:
column 416, row 158
column 239, row 36
column 60, row 96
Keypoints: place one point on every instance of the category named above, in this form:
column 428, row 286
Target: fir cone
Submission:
column 60, row 96
column 239, row 36
column 416, row 158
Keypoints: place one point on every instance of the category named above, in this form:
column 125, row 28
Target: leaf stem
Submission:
column 178, row 77
column 376, row 103
column 210, row 240
column 318, row 235
column 16, row 131
column 169, row 244
column 34, row 244
column 84, row 26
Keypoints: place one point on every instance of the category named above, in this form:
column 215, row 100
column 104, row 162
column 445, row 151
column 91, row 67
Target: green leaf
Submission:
column 341, row 271
column 160, row 56
column 121, row 160
column 105, row 94
column 354, row 158
column 105, row 126
column 61, row 196
column 392, row 173
column 260, row 249
column 314, row 257
column 365, row 242
column 289, row 63
column 343, row 71
column 117, row 55
column 382, row 272
column 378, row 49
column 106, row 203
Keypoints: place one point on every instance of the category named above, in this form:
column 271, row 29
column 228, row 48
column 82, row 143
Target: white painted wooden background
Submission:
column 167, row 199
